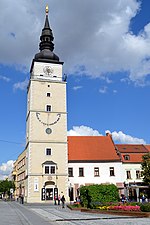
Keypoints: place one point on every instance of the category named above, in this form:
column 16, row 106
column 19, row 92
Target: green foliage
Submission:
column 76, row 205
column 145, row 207
column 94, row 195
column 146, row 168
column 6, row 185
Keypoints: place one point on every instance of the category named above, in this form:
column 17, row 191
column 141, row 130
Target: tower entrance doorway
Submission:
column 49, row 193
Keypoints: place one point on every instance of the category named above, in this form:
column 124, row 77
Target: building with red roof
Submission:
column 131, row 157
column 97, row 160
column 93, row 160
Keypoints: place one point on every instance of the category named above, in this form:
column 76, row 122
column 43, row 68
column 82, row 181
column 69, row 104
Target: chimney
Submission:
column 108, row 133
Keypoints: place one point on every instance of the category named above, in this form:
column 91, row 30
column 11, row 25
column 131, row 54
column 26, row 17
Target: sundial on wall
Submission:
column 48, row 130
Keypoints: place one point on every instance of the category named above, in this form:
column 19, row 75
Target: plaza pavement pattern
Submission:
column 14, row 213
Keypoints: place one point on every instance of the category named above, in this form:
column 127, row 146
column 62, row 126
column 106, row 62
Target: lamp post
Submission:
column 43, row 193
column 70, row 192
column 126, row 187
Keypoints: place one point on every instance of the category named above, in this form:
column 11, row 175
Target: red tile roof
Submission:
column 133, row 157
column 127, row 148
column 148, row 147
column 91, row 148
column 135, row 152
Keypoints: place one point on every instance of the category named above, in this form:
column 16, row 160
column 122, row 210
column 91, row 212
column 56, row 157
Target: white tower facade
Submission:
column 46, row 130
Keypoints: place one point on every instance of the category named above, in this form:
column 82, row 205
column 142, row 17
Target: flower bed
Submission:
column 124, row 208
column 129, row 209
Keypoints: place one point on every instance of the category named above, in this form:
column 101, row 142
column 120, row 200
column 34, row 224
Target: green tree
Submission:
column 6, row 185
column 146, row 168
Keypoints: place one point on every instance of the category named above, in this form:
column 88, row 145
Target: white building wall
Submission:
column 104, row 174
column 132, row 167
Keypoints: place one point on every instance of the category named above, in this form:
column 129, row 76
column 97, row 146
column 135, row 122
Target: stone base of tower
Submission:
column 43, row 189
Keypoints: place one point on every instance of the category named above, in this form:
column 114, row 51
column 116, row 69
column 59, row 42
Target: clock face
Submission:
column 48, row 130
column 48, row 70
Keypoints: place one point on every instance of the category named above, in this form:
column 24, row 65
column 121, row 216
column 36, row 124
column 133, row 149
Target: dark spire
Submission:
column 46, row 45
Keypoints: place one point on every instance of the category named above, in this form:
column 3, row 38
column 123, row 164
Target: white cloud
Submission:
column 98, row 44
column 6, row 169
column 83, row 131
column 108, row 81
column 126, row 139
column 103, row 90
column 115, row 91
column 21, row 85
column 4, row 78
column 75, row 88
column 117, row 136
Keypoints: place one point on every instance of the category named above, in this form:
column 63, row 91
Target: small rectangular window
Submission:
column 70, row 172
column 46, row 169
column 96, row 171
column 48, row 94
column 128, row 172
column 81, row 172
column 138, row 174
column 52, row 169
column 48, row 151
column 112, row 172
column 48, row 108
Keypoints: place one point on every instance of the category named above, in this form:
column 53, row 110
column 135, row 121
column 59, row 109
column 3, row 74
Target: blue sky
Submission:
column 106, row 49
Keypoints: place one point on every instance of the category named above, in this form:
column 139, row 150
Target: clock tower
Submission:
column 46, row 124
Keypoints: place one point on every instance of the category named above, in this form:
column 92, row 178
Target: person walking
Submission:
column 63, row 201
column 21, row 199
column 55, row 198
column 59, row 198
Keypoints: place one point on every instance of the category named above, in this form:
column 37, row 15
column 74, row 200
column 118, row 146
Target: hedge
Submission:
column 97, row 194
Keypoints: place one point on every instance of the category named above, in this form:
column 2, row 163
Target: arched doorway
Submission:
column 49, row 191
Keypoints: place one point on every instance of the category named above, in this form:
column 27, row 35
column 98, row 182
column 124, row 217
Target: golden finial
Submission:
column 46, row 9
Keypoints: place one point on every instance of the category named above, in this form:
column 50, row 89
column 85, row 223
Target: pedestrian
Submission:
column 55, row 198
column 59, row 200
column 22, row 199
column 123, row 199
column 143, row 198
column 63, row 201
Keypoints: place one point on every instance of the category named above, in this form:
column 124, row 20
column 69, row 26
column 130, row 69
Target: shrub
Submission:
column 77, row 205
column 145, row 207
column 94, row 195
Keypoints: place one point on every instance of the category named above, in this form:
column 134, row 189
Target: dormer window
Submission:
column 126, row 157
